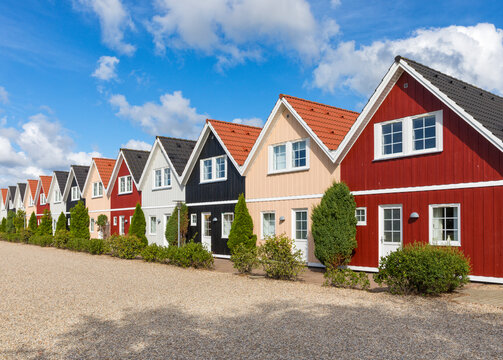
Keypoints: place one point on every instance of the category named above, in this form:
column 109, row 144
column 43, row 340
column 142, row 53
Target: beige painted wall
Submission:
column 27, row 208
column 314, row 181
column 96, row 206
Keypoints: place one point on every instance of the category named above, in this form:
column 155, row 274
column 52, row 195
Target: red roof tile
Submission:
column 105, row 168
column 329, row 123
column 238, row 139
column 33, row 187
column 46, row 183
column 4, row 195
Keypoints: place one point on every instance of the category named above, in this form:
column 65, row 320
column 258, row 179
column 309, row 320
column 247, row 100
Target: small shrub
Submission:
column 3, row 225
column 61, row 238
column 191, row 255
column 102, row 223
column 79, row 221
column 41, row 240
column 9, row 225
column 346, row 278
column 61, row 224
column 150, row 253
column 32, row 224
column 125, row 247
column 76, row 244
column 278, row 258
column 95, row 246
column 138, row 225
column 12, row 237
column 24, row 235
column 244, row 258
column 423, row 269
column 171, row 231
column 45, row 227
column 242, row 227
column 19, row 220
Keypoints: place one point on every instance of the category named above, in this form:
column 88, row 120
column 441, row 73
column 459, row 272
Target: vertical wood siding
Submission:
column 96, row 204
column 71, row 203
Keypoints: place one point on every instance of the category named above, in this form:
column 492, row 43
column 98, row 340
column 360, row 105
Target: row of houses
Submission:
column 423, row 160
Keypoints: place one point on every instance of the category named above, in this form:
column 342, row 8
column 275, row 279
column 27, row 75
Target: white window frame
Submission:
column 294, row 223
column 150, row 232
column 408, row 136
column 115, row 220
column 43, row 200
column 226, row 236
column 126, row 190
column 98, row 185
column 430, row 225
column 92, row 224
column 214, row 177
column 381, row 222
column 193, row 219
column 75, row 196
column 289, row 157
column 30, row 203
column 57, row 196
column 122, row 225
column 163, row 184
column 361, row 222
column 262, row 213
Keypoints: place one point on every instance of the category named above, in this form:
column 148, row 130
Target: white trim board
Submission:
column 283, row 198
column 224, row 202
column 221, row 256
column 485, row 279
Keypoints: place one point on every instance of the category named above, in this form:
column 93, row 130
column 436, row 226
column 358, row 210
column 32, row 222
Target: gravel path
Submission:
column 58, row 304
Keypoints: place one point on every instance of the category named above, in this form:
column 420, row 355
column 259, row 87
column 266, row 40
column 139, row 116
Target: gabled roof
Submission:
column 105, row 168
column 329, row 123
column 136, row 160
column 178, row 150
column 237, row 138
column 479, row 108
column 46, row 183
column 61, row 177
column 22, row 189
column 80, row 173
column 4, row 195
column 12, row 192
column 33, row 188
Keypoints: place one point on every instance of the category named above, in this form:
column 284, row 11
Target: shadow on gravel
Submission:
column 289, row 331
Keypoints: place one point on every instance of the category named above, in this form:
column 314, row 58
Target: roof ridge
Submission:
column 398, row 57
column 319, row 103
column 102, row 158
column 147, row 151
column 233, row 123
column 174, row 138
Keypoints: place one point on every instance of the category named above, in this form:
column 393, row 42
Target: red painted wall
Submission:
column 122, row 201
column 41, row 208
column 466, row 157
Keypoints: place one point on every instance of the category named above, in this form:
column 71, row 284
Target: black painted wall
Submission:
column 69, row 203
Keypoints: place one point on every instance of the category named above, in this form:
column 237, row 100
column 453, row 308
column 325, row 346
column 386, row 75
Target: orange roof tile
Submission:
column 238, row 139
column 4, row 195
column 105, row 168
column 46, row 183
column 33, row 187
column 329, row 123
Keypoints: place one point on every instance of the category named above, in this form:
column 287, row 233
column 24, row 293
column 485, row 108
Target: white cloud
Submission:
column 335, row 3
column 236, row 30
column 106, row 68
column 137, row 144
column 251, row 121
column 172, row 116
column 114, row 21
column 4, row 95
column 471, row 53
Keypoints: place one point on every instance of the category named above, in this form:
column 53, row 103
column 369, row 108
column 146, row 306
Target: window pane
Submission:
column 301, row 225
column 153, row 225
column 392, row 138
column 220, row 163
column 226, row 225
column 424, row 133
column 158, row 182
column 445, row 224
column 279, row 157
column 269, row 224
column 167, row 177
column 299, row 154
column 207, row 170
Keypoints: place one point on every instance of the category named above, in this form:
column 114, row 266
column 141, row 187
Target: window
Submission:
column 92, row 225
column 268, row 224
column 42, row 199
column 214, row 169
column 392, row 222
column 153, row 225
column 361, row 216
column 115, row 220
column 445, row 224
column 162, row 178
column 75, row 193
column 31, row 201
column 300, row 219
column 125, row 184
column 408, row 136
column 122, row 222
column 57, row 195
column 227, row 219
column 289, row 156
column 98, row 189
column 193, row 219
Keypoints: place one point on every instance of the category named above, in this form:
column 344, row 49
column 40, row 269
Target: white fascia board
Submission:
column 195, row 154
column 51, row 188
column 236, row 165
column 115, row 171
column 147, row 164
column 37, row 192
column 68, row 184
column 93, row 164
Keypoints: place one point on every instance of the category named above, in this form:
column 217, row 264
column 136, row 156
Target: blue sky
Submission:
column 82, row 78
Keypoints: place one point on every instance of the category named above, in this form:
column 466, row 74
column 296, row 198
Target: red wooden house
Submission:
column 44, row 183
column 123, row 188
column 425, row 163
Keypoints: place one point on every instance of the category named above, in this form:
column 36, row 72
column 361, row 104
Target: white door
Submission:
column 121, row 225
column 299, row 223
column 390, row 229
column 166, row 219
column 206, row 230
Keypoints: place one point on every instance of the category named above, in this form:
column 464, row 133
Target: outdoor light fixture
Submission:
column 414, row 215
column 281, row 218
column 215, row 219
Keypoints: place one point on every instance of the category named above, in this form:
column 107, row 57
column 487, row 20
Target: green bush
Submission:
column 11, row 237
column 61, row 223
column 138, row 226
column 79, row 221
column 9, row 225
column 191, row 255
column 346, row 278
column 125, row 247
column 45, row 227
column 19, row 220
column 278, row 258
column 171, row 231
column 242, row 227
column 151, row 253
column 76, row 244
column 102, row 224
column 41, row 240
column 61, row 238
column 423, row 269
column 32, row 224
column 95, row 246
column 3, row 225
column 24, row 236
column 244, row 258
column 334, row 226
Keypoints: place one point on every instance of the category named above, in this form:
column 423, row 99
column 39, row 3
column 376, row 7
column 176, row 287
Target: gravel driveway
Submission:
column 58, row 304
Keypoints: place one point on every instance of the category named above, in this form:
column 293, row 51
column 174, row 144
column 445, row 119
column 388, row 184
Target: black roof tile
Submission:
column 178, row 150
column 80, row 172
column 12, row 191
column 22, row 189
column 136, row 160
column 61, row 178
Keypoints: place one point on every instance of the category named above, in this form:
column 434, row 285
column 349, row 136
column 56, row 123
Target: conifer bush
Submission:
column 171, row 231
column 334, row 226
column 32, row 224
column 19, row 220
column 9, row 226
column 138, row 226
column 61, row 223
column 242, row 227
column 79, row 222
column 3, row 225
column 45, row 227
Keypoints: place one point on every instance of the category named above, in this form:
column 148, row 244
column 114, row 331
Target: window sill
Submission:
column 445, row 243
column 162, row 188
column 286, row 171
column 96, row 197
column 212, row 181
column 125, row 193
column 399, row 156
column 361, row 224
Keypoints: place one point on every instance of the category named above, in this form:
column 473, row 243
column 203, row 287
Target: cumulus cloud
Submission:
column 106, row 68
column 471, row 53
column 137, row 144
column 173, row 115
column 236, row 30
column 4, row 95
column 114, row 20
column 251, row 121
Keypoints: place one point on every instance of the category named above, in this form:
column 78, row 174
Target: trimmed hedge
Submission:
column 125, row 247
